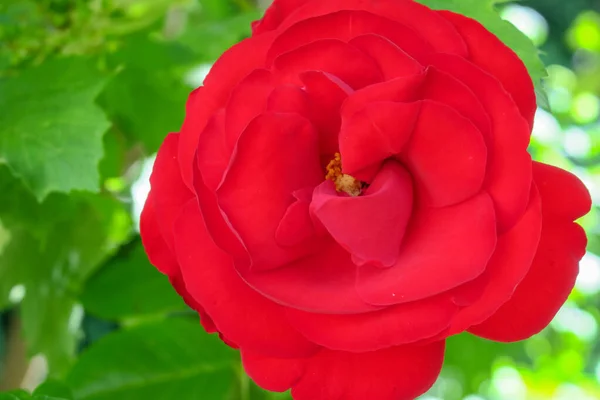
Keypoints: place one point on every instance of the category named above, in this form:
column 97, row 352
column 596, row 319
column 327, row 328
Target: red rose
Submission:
column 350, row 187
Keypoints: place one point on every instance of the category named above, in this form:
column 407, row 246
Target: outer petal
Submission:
column 555, row 267
column 397, row 373
column 444, row 248
column 357, row 70
column 440, row 34
column 507, row 268
column 392, row 326
column 489, row 53
column 346, row 25
column 241, row 314
column 565, row 197
column 169, row 191
column 225, row 74
column 544, row 290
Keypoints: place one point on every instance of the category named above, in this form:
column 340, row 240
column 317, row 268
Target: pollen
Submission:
column 343, row 182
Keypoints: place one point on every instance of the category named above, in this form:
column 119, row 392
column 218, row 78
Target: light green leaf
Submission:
column 50, row 129
column 151, row 293
column 171, row 359
column 484, row 12
column 146, row 100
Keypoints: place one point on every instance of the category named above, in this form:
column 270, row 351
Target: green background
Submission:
column 88, row 90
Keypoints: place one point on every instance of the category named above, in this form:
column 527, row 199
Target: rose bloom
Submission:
column 350, row 187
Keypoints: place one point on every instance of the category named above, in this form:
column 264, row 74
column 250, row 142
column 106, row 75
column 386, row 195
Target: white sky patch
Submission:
column 577, row 321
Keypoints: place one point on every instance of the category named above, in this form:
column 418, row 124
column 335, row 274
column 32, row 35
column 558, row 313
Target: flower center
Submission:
column 343, row 183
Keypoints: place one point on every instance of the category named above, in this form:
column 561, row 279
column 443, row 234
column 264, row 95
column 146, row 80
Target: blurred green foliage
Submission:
column 88, row 90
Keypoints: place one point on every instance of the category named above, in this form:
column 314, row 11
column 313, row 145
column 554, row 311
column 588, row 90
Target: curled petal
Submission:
column 370, row 226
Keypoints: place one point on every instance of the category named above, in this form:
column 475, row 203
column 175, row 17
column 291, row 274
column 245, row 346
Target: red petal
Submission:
column 276, row 155
column 392, row 326
column 154, row 243
column 247, row 101
column 224, row 75
column 213, row 152
column 241, row 314
column 296, row 226
column 544, row 290
column 371, row 226
column 493, row 56
column 433, row 28
column 442, row 137
column 274, row 374
column 164, row 260
column 397, row 373
column 444, row 88
column 509, row 166
column 556, row 265
column 565, row 197
column 391, row 59
column 326, row 94
column 357, row 70
column 403, row 89
column 378, row 131
column 443, row 248
column 507, row 267
column 344, row 26
column 321, row 283
column 169, row 191
column 289, row 99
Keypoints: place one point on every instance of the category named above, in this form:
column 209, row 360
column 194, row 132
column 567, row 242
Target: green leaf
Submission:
column 51, row 130
column 23, row 395
column 171, row 359
column 484, row 12
column 146, row 100
column 150, row 295
column 52, row 248
column 55, row 389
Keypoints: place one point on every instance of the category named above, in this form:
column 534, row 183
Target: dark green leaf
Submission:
column 136, row 288
column 484, row 12
column 171, row 359
column 51, row 134
column 54, row 388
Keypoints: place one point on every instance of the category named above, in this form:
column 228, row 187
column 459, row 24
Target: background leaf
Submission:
column 170, row 359
column 51, row 134
column 151, row 293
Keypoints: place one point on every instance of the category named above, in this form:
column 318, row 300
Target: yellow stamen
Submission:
column 343, row 183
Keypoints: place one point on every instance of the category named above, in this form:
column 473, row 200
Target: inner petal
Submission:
column 370, row 227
